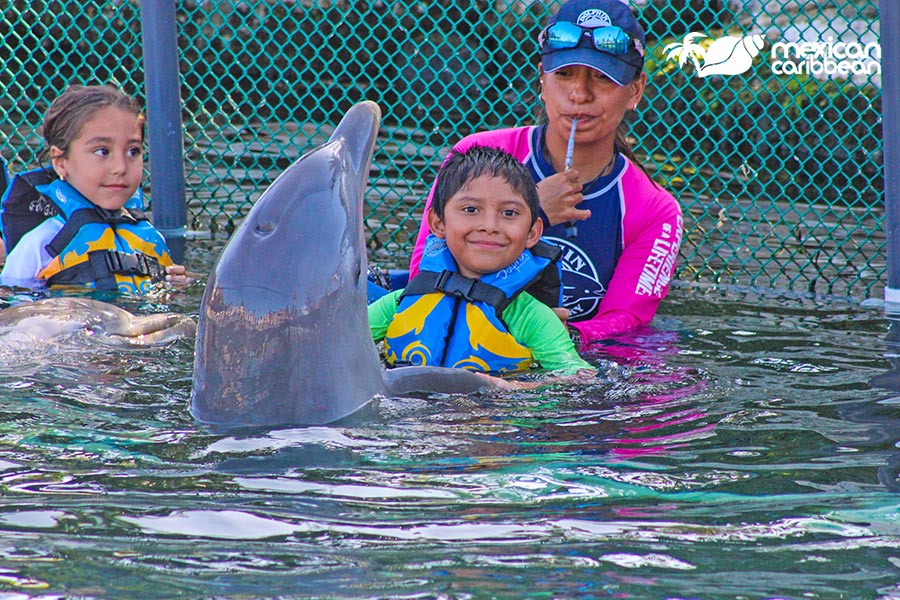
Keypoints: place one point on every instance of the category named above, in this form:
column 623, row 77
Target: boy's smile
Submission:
column 487, row 226
column 105, row 162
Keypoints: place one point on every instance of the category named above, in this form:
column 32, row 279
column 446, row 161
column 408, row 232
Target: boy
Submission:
column 467, row 308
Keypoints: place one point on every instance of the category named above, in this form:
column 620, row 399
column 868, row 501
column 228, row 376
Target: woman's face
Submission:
column 594, row 99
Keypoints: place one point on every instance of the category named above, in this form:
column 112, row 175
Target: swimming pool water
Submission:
column 733, row 450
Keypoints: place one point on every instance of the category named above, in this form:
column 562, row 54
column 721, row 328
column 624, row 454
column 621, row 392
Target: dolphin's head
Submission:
column 283, row 335
column 302, row 238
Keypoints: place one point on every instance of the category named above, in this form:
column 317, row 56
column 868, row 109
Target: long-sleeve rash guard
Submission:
column 616, row 269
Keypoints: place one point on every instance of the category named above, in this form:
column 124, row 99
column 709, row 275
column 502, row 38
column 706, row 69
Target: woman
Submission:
column 619, row 231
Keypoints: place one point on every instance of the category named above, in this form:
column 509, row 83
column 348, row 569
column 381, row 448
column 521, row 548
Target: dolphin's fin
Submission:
column 151, row 330
column 438, row 380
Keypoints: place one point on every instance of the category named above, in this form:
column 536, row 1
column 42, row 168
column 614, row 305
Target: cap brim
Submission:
column 613, row 67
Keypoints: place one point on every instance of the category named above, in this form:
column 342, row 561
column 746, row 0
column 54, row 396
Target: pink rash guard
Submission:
column 616, row 270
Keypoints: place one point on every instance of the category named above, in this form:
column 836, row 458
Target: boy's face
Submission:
column 105, row 162
column 487, row 226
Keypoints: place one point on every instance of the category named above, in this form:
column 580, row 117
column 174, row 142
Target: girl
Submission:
column 82, row 222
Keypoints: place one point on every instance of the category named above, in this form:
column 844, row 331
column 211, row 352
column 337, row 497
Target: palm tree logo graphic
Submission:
column 729, row 55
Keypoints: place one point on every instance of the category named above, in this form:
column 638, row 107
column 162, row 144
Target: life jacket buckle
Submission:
column 454, row 284
column 122, row 263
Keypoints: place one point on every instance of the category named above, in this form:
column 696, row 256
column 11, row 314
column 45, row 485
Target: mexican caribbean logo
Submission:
column 732, row 55
column 727, row 55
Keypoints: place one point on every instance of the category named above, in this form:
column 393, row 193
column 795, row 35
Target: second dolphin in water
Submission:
column 54, row 317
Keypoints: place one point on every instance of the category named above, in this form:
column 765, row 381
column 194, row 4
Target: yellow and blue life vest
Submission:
column 108, row 250
column 446, row 319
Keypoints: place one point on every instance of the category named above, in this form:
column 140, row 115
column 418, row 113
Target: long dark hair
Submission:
column 623, row 146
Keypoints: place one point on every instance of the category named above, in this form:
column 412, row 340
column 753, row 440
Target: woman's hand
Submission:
column 562, row 313
column 559, row 194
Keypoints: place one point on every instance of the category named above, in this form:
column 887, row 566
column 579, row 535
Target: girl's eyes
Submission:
column 132, row 152
column 470, row 209
column 510, row 212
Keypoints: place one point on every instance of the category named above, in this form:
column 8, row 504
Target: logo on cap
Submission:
column 593, row 18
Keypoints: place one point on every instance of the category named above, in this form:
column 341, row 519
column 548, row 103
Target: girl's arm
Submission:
column 29, row 256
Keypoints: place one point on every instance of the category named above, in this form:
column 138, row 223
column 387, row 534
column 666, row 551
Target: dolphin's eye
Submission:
column 265, row 226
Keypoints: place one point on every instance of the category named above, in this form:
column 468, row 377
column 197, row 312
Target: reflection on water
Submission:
column 734, row 449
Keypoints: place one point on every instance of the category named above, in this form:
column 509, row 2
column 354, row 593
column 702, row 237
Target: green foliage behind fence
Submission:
column 779, row 172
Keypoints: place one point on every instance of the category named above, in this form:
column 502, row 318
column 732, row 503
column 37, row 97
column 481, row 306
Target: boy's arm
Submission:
column 537, row 327
column 381, row 313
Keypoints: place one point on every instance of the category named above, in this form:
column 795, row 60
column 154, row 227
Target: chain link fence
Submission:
column 761, row 116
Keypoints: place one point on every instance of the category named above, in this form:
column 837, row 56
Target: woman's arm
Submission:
column 652, row 230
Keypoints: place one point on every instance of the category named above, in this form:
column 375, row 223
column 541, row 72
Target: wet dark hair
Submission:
column 68, row 113
column 462, row 167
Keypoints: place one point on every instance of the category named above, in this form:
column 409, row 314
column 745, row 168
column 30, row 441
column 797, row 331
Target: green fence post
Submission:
column 160, row 46
column 890, row 127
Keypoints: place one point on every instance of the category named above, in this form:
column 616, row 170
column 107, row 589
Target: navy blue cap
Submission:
column 597, row 13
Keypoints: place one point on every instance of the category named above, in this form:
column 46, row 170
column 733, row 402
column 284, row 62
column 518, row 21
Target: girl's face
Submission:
column 487, row 226
column 105, row 161
column 594, row 99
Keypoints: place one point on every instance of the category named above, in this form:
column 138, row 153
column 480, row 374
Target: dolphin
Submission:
column 52, row 317
column 283, row 335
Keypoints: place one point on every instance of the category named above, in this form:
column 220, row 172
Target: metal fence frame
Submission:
column 779, row 174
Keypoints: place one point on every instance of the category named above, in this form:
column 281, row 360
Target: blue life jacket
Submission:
column 446, row 319
column 96, row 247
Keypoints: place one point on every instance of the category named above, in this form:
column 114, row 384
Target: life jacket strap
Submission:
column 84, row 216
column 547, row 287
column 459, row 286
column 102, row 267
column 543, row 249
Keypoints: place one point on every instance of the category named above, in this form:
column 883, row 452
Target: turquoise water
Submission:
column 735, row 450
